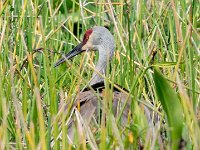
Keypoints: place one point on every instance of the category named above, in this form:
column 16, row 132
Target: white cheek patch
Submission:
column 87, row 46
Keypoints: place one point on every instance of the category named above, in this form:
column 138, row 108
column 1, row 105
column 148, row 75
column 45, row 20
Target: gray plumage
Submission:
column 100, row 40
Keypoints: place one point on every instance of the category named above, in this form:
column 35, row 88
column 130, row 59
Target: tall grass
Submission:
column 148, row 33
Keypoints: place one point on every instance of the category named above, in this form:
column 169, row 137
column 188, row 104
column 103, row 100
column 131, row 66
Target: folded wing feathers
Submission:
column 89, row 105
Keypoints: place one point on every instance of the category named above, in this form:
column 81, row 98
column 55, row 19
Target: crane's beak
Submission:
column 77, row 50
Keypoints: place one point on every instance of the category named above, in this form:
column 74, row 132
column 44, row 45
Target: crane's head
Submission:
column 96, row 38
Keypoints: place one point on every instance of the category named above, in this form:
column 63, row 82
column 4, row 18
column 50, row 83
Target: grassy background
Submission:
column 164, row 34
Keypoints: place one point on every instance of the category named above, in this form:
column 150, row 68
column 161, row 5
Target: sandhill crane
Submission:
column 98, row 39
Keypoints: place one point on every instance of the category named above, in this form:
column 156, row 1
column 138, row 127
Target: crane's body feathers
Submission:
column 90, row 101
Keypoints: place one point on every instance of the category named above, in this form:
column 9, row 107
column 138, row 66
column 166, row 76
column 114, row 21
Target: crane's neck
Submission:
column 100, row 68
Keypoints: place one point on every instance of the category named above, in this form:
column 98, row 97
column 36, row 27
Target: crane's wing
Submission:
column 90, row 103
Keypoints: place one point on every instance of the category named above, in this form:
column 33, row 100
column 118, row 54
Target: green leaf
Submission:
column 171, row 106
